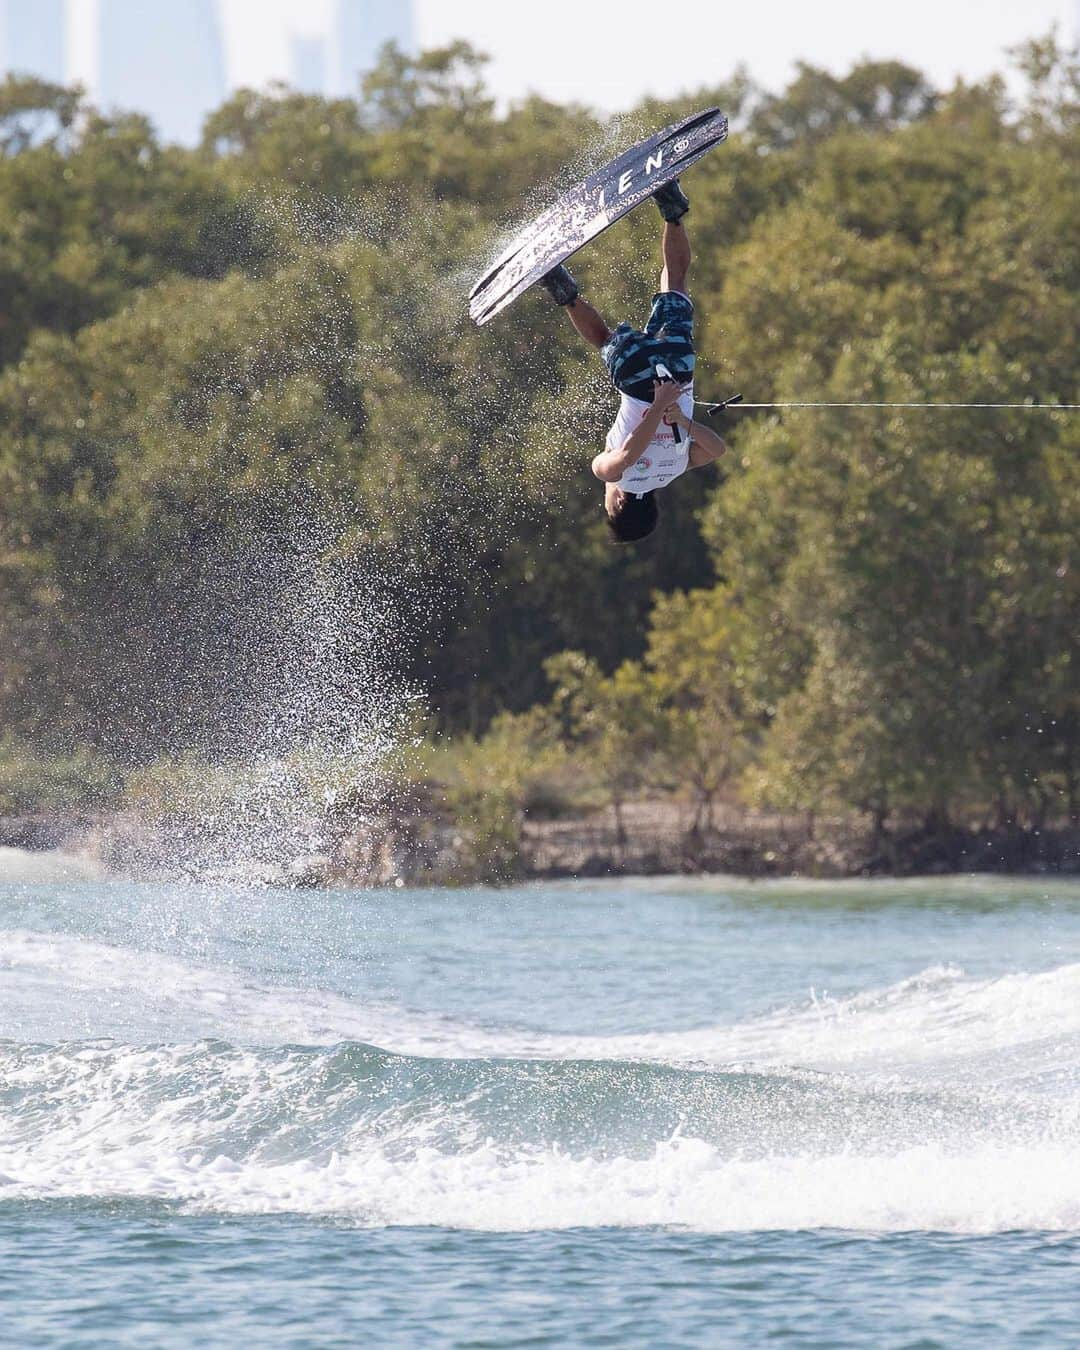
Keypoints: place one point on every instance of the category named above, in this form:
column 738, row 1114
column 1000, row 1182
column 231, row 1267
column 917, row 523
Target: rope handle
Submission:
column 715, row 408
column 663, row 373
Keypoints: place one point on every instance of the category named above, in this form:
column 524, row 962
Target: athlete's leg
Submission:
column 675, row 247
column 562, row 288
column 588, row 322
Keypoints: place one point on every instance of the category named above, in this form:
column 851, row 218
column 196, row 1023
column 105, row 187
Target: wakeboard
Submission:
column 590, row 207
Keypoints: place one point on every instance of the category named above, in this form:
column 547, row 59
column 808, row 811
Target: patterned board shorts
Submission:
column 631, row 355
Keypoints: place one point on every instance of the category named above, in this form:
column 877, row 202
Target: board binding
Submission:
column 591, row 207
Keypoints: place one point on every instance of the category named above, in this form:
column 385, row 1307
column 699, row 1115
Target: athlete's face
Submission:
column 614, row 497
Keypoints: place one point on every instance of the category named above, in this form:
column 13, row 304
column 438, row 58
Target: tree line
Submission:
column 224, row 369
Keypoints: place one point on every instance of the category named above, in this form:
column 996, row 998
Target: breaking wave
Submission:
column 939, row 1102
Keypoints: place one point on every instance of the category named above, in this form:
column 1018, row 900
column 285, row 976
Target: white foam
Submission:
column 21, row 865
column 939, row 1023
column 170, row 996
column 685, row 1182
column 216, row 1129
column 939, row 1020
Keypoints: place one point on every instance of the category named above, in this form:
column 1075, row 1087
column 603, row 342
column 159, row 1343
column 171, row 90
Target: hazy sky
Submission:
column 610, row 52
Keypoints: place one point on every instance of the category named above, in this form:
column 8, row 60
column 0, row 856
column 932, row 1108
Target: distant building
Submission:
column 164, row 59
column 359, row 29
column 33, row 38
column 307, row 62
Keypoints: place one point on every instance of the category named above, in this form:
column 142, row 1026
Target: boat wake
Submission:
column 938, row 1102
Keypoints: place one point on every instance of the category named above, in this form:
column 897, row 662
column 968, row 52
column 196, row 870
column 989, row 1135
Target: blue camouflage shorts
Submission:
column 631, row 356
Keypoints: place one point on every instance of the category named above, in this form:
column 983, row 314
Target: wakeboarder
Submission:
column 654, row 438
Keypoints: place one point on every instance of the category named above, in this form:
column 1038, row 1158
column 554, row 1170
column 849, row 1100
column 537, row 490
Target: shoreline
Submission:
column 427, row 849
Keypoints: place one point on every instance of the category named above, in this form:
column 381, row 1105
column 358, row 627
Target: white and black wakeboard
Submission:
column 590, row 207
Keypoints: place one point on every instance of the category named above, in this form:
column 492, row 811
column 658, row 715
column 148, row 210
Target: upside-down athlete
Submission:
column 654, row 438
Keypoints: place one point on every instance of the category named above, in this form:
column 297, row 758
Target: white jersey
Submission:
column 664, row 458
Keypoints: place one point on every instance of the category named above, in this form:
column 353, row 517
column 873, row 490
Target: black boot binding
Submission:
column 671, row 201
column 560, row 285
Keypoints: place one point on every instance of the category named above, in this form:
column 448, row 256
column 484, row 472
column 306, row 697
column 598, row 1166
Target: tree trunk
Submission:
column 1072, row 792
column 1002, row 812
column 620, row 827
column 936, row 820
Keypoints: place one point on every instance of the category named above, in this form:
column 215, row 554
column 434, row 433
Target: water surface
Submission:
column 676, row 1112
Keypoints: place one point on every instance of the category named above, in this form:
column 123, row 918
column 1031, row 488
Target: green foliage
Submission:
column 489, row 783
column 206, row 354
column 874, row 96
column 615, row 722
column 30, row 782
column 1052, row 71
column 92, row 209
column 698, row 649
column 34, row 111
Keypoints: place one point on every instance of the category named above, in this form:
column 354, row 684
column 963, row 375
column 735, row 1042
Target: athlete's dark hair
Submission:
column 634, row 519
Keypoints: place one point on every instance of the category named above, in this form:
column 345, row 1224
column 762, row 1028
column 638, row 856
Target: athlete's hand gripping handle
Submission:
column 667, row 377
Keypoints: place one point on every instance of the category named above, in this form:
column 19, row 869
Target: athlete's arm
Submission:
column 705, row 444
column 610, row 465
